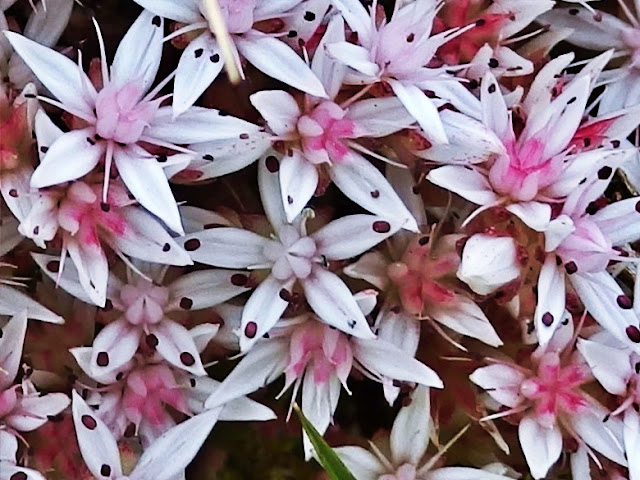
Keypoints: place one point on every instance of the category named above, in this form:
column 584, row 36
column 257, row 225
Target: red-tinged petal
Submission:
column 144, row 238
column 97, row 445
column 180, row 444
column 279, row 109
column 11, row 344
column 33, row 411
column 551, row 300
column 365, row 185
column 263, row 309
column 206, row 288
column 278, row 60
column 469, row 184
column 263, row 364
column 200, row 64
column 71, row 156
column 176, row 346
column 465, row 317
column 610, row 365
column 384, row 359
column 146, row 180
column 59, row 74
column 333, row 302
column 501, row 382
column 298, row 183
column 330, row 72
column 410, row 432
column 542, row 87
column 114, row 346
column 541, row 446
column 227, row 248
column 361, row 463
column 352, row 235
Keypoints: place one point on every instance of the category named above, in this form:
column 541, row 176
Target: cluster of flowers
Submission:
column 490, row 187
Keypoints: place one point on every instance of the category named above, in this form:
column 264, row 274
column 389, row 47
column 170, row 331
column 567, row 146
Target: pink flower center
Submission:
column 238, row 14
column 417, row 277
column 144, row 303
column 323, row 130
column 121, row 116
column 523, row 172
column 555, row 389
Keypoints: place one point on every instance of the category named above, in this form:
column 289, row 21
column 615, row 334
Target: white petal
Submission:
column 279, row 61
column 204, row 289
column 615, row 221
column 379, row 117
column 227, row 247
column 318, row 405
column 333, row 302
column 535, row 215
column 264, row 363
column 502, row 382
column 610, row 365
column 93, row 269
column 119, row 340
column 580, row 463
column 146, row 180
column 410, row 432
column 422, row 109
column 11, row 344
column 196, row 71
column 631, row 433
column 384, row 358
column 48, row 21
column 352, row 235
column 467, row 183
column 355, row 57
column 604, row 437
column 181, row 444
column 196, row 125
column 263, row 309
column 13, row 301
column 177, row 347
column 279, row 109
column 59, row 74
column 361, row 463
column 138, row 55
column 97, row 445
column 230, row 155
column 70, row 157
column 330, row 72
column 186, row 11
column 463, row 473
column 465, row 317
column 269, row 186
column 357, row 17
column 541, row 446
column 551, row 300
column 371, row 267
column 366, row 186
column 298, row 183
column 402, row 181
column 34, row 410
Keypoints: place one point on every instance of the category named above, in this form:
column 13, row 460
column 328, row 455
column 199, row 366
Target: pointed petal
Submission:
column 145, row 179
column 181, row 444
column 357, row 17
column 176, row 346
column 230, row 155
column 318, row 405
column 604, row 437
column 422, row 109
column 15, row 471
column 463, row 473
column 410, row 432
column 183, row 12
column 355, row 57
column 541, row 446
column 333, row 302
column 352, row 235
column 298, row 183
column 48, row 21
column 615, row 221
column 631, row 435
column 278, row 60
column 34, row 411
column 494, row 109
column 114, row 346
column 13, row 301
column 269, row 186
column 139, row 53
column 59, row 74
column 264, row 363
column 361, row 463
column 366, row 186
column 371, row 267
column 97, row 445
column 535, row 215
column 385, row 359
column 205, row 288
column 144, row 238
column 70, row 157
column 610, row 365
column 196, row 71
column 11, row 344
column 227, row 247
column 501, row 382
column 551, row 300
column 330, row 72
column 279, row 109
column 379, row 117
column 263, row 309
column 93, row 269
column 467, row 183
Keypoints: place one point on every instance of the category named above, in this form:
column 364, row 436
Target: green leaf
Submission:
column 323, row 452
